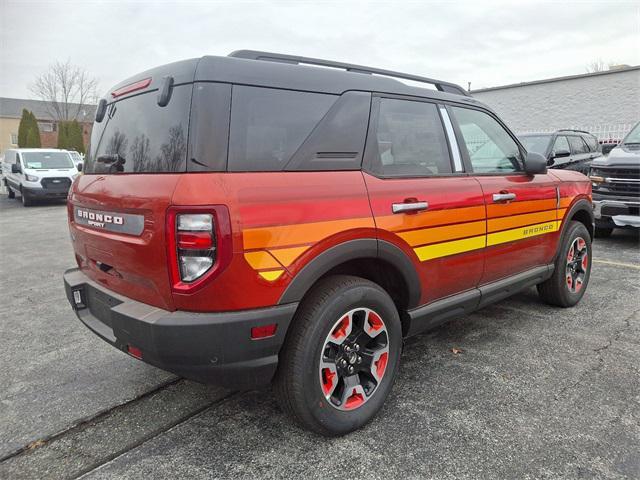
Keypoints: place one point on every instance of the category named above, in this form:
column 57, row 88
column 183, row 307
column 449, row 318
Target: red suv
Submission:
column 255, row 219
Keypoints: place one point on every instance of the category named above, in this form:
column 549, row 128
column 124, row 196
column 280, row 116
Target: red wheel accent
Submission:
column 328, row 378
column 570, row 254
column 585, row 262
column 581, row 243
column 381, row 364
column 569, row 281
column 341, row 330
column 375, row 321
column 354, row 401
column 578, row 285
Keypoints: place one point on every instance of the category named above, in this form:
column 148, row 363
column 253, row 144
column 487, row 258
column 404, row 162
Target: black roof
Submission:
column 247, row 67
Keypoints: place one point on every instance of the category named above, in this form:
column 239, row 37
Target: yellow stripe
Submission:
column 271, row 275
column 437, row 250
column 286, row 256
column 259, row 260
column 440, row 234
column 495, row 224
column 522, row 232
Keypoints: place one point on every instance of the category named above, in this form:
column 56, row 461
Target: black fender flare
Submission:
column 352, row 250
column 581, row 205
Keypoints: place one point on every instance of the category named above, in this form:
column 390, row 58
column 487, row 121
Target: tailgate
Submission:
column 118, row 232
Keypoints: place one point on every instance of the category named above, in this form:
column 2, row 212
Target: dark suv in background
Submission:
column 567, row 149
column 616, row 186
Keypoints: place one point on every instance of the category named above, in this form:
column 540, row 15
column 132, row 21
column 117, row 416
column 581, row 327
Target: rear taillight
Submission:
column 196, row 244
column 199, row 245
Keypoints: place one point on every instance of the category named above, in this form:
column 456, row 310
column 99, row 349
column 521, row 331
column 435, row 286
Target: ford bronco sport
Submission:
column 255, row 219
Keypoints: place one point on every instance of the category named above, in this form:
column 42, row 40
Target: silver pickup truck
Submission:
column 616, row 186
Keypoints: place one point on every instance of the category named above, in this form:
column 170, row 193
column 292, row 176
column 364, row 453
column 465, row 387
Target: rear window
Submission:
column 268, row 126
column 138, row 136
column 46, row 160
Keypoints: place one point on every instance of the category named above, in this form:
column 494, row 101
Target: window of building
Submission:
column 14, row 139
column 410, row 139
column 46, row 126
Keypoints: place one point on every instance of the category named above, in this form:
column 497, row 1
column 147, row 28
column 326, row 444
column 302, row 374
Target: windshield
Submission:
column 46, row 160
column 633, row 137
column 536, row 143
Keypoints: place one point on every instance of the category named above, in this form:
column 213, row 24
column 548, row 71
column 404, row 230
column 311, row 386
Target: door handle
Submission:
column 503, row 197
column 409, row 207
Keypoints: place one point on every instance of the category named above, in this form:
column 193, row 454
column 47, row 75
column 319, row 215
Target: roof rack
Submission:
column 572, row 130
column 294, row 59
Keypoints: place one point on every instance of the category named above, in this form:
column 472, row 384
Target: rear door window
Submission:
column 592, row 142
column 269, row 125
column 139, row 136
column 577, row 145
column 410, row 140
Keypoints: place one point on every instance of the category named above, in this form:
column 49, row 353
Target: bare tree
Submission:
column 66, row 88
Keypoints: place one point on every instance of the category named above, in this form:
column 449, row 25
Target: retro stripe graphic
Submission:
column 431, row 235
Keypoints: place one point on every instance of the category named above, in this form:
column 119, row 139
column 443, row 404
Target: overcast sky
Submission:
column 487, row 43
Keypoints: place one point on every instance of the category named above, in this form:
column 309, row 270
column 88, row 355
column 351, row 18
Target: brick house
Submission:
column 11, row 112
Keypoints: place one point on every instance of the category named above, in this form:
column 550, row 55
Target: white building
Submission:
column 606, row 104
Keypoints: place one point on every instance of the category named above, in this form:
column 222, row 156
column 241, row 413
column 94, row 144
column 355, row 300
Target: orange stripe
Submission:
column 441, row 234
column 561, row 213
column 505, row 223
column 515, row 208
column 565, row 202
column 429, row 219
column 302, row 233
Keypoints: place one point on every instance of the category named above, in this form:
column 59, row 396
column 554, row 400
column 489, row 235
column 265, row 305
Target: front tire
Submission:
column 570, row 277
column 341, row 356
column 26, row 200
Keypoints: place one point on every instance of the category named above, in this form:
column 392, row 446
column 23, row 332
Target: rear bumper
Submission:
column 206, row 347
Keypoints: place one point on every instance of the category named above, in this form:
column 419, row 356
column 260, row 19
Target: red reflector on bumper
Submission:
column 263, row 331
column 134, row 352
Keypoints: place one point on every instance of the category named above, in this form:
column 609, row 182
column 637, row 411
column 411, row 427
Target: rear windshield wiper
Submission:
column 631, row 143
column 115, row 158
column 114, row 162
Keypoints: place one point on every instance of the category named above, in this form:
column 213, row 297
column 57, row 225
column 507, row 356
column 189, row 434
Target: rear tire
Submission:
column 603, row 232
column 572, row 270
column 328, row 378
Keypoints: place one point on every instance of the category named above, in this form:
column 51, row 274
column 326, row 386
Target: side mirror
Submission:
column 79, row 167
column 15, row 168
column 535, row 164
column 561, row 153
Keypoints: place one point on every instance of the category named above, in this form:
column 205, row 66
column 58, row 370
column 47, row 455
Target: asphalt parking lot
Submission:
column 535, row 391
